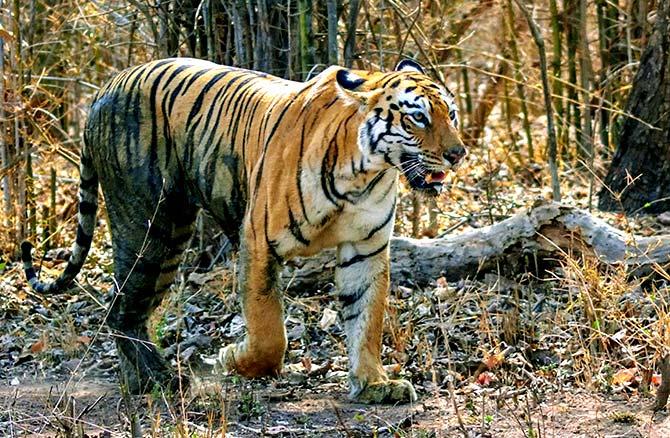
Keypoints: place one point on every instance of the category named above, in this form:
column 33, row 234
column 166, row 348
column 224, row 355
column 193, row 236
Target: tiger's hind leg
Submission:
column 146, row 258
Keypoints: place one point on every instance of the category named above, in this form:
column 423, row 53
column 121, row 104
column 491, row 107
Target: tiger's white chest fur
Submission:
column 363, row 212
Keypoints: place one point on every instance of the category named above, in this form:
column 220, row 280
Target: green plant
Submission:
column 249, row 405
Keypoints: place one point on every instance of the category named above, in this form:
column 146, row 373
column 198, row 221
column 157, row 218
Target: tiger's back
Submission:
column 183, row 126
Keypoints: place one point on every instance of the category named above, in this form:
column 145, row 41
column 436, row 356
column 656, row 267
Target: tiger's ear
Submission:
column 348, row 84
column 410, row 65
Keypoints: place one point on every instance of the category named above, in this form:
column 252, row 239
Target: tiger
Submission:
column 285, row 168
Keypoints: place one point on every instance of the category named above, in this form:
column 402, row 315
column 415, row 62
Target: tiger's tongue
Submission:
column 435, row 177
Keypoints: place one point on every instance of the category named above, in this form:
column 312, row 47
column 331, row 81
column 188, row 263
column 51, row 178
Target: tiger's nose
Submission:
column 455, row 154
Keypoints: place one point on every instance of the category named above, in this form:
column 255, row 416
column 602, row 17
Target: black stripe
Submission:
column 281, row 115
column 133, row 119
column 245, row 134
column 174, row 74
column 382, row 225
column 351, row 298
column 331, row 176
column 352, row 316
column 261, row 166
column 153, row 146
column 192, row 79
column 156, row 66
column 71, row 271
column 173, row 96
column 223, row 95
column 87, row 208
column 360, row 257
column 85, row 161
column 324, row 177
column 358, row 195
column 197, row 105
column 88, row 184
column 170, row 268
column 30, row 273
column 146, row 268
column 243, row 98
column 298, row 174
column 390, row 77
column 26, row 248
column 331, row 103
column 294, row 227
column 271, row 243
column 83, row 239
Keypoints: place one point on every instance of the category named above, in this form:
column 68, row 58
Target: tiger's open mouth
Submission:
column 420, row 178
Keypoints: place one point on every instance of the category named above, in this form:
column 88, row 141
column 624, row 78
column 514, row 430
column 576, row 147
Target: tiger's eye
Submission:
column 420, row 117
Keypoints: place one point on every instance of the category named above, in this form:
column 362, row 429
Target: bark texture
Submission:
column 644, row 151
column 524, row 242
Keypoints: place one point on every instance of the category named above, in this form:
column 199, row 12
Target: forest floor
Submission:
column 492, row 357
column 565, row 352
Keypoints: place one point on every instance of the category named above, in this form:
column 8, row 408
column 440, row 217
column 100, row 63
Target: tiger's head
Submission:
column 411, row 123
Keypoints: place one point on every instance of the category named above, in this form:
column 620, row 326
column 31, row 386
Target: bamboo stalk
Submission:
column 20, row 188
column 465, row 77
column 263, row 39
column 604, row 72
column 46, row 228
column 4, row 151
column 332, row 32
column 518, row 77
column 208, row 19
column 585, row 84
column 131, row 37
column 557, row 51
column 508, row 119
column 251, row 40
column 350, row 43
column 573, row 115
column 289, row 64
column 240, row 24
column 53, row 224
column 305, row 36
column 30, row 194
column 551, row 133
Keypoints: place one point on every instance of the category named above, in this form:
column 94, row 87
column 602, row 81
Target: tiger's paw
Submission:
column 236, row 358
column 386, row 392
column 226, row 360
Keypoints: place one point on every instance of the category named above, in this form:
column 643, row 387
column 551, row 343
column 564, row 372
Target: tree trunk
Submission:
column 350, row 43
column 332, row 32
column 641, row 164
column 527, row 242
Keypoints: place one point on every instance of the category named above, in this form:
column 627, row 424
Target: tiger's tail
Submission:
column 88, row 206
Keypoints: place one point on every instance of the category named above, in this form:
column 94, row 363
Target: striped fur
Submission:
column 287, row 169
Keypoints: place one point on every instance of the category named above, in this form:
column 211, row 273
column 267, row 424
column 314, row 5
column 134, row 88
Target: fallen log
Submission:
column 524, row 242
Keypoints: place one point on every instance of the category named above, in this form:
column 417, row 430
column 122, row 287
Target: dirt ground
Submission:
column 36, row 408
column 487, row 358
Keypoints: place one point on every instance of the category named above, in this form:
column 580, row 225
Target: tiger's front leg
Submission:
column 362, row 277
column 262, row 351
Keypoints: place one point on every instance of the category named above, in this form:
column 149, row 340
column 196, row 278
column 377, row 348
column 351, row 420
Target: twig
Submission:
column 551, row 133
column 339, row 420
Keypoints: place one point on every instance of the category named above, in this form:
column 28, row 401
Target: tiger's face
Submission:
column 411, row 123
